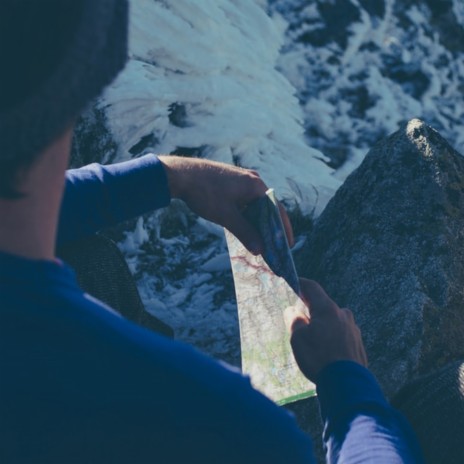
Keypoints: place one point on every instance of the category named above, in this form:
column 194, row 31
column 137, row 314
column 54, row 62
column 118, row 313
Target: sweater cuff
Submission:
column 345, row 386
column 146, row 180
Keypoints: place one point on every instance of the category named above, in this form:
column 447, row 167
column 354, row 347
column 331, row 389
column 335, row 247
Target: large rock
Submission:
column 390, row 246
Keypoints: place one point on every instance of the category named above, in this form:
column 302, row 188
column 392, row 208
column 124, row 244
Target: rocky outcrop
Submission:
column 390, row 246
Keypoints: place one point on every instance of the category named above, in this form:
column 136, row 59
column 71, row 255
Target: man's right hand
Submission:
column 329, row 335
column 220, row 192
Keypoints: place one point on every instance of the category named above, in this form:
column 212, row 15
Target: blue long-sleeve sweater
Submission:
column 80, row 384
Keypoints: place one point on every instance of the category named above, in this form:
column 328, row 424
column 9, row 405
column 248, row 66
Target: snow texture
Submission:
column 202, row 81
column 269, row 86
column 363, row 67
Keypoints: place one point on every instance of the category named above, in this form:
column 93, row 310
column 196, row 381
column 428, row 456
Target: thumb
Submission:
column 296, row 316
column 298, row 323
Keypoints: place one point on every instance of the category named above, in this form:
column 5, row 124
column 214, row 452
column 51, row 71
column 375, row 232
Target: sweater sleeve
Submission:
column 359, row 424
column 99, row 196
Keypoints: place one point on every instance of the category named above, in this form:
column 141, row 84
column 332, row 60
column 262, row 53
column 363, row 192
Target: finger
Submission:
column 298, row 323
column 252, row 187
column 287, row 225
column 349, row 314
column 296, row 315
column 254, row 172
column 319, row 302
column 300, row 341
column 236, row 223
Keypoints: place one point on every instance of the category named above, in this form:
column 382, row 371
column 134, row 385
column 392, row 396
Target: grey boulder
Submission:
column 390, row 246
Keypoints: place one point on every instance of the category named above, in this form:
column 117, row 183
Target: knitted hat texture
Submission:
column 93, row 58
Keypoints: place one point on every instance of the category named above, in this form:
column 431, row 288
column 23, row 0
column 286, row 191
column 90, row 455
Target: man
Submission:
column 80, row 384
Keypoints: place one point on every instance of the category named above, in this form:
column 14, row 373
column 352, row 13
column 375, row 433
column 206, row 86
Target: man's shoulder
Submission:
column 76, row 365
column 95, row 352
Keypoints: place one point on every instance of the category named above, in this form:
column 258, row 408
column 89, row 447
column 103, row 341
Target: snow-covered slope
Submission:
column 362, row 67
column 202, row 80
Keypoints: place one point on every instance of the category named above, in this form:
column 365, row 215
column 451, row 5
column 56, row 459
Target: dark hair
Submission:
column 57, row 55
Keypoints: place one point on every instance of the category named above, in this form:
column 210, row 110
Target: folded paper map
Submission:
column 267, row 298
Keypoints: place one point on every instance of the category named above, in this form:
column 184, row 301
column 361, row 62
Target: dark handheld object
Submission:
column 264, row 214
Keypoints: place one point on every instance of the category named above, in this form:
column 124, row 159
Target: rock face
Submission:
column 390, row 246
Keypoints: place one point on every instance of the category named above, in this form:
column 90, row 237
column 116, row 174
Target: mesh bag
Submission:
column 102, row 272
column 434, row 406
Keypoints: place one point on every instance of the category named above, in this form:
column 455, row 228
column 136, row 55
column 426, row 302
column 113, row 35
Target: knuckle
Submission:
column 348, row 313
column 255, row 175
column 295, row 339
column 253, row 185
column 260, row 186
column 254, row 172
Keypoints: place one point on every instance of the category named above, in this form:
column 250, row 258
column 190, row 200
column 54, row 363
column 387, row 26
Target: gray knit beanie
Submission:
column 84, row 46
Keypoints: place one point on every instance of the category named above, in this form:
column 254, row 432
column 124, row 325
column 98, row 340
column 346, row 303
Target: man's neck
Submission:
column 28, row 225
